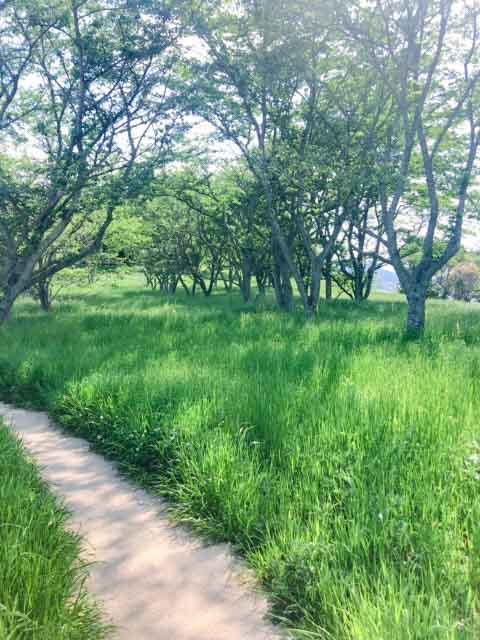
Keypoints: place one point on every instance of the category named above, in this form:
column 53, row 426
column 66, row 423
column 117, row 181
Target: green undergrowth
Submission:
column 340, row 459
column 42, row 593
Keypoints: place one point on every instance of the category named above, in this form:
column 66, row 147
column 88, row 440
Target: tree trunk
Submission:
column 282, row 283
column 6, row 305
column 173, row 285
column 314, row 297
column 287, row 302
column 92, row 274
column 261, row 281
column 358, row 292
column 416, row 311
column 283, row 290
column 358, row 280
column 328, row 286
column 44, row 296
column 203, row 286
column 369, row 284
column 247, row 280
column 247, row 289
column 327, row 271
column 228, row 281
column 231, row 279
column 184, row 285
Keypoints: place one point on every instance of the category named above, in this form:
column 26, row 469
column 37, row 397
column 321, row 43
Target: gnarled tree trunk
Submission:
column 12, row 289
column 416, row 298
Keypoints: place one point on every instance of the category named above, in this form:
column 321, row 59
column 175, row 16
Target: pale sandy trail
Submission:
column 155, row 580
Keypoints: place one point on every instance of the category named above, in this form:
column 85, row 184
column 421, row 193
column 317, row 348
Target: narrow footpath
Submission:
column 155, row 580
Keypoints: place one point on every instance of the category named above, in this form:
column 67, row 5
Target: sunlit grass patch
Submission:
column 336, row 456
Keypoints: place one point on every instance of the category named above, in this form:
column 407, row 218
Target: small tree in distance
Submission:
column 464, row 281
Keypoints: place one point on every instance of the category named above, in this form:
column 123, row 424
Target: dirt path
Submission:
column 155, row 581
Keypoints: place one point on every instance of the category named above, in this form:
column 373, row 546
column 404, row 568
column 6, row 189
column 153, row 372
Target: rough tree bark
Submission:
column 282, row 284
column 416, row 298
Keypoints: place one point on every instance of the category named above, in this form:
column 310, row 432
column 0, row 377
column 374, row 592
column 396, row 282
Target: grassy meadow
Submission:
column 42, row 594
column 340, row 459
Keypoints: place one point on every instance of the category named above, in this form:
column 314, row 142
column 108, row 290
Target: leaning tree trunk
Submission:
column 17, row 283
column 416, row 299
column 6, row 306
column 5, row 311
column 185, row 287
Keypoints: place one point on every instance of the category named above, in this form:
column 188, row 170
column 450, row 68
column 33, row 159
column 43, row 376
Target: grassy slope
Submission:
column 341, row 460
column 41, row 578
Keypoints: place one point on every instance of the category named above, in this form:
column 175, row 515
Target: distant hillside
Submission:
column 386, row 281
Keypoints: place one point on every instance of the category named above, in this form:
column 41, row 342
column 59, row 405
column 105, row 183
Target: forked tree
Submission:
column 426, row 54
column 84, row 97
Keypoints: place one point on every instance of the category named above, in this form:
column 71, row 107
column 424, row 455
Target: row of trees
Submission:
column 197, row 232
column 356, row 127
column 337, row 107
column 201, row 230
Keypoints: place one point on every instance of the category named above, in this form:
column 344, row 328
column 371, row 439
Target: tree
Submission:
column 260, row 88
column 22, row 27
column 464, row 281
column 119, row 250
column 233, row 209
column 425, row 54
column 90, row 99
column 247, row 228
column 187, row 243
column 358, row 254
column 305, row 112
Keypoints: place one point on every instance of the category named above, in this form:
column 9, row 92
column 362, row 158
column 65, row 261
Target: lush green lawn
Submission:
column 42, row 596
column 340, row 459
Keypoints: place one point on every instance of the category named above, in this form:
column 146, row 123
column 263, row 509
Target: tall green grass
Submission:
column 42, row 594
column 340, row 459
